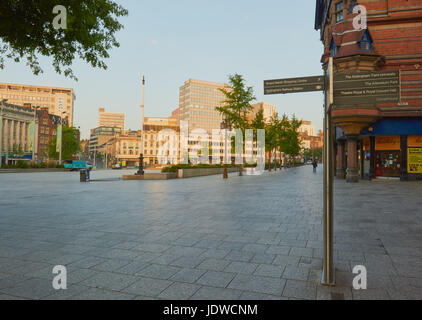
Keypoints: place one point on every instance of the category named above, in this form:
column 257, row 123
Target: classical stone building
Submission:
column 382, row 139
column 16, row 140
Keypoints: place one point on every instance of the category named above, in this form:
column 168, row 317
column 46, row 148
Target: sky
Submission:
column 172, row 41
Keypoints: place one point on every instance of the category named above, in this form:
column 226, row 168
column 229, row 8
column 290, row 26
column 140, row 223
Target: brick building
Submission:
column 383, row 139
column 47, row 130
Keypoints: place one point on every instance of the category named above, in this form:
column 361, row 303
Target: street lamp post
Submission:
column 225, row 125
column 141, row 171
column 35, row 132
column 1, row 132
column 61, row 136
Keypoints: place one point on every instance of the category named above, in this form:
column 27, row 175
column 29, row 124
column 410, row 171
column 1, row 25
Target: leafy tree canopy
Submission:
column 70, row 144
column 237, row 103
column 27, row 31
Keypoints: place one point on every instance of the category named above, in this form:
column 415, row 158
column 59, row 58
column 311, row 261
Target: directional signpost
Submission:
column 367, row 88
column 340, row 90
column 309, row 84
column 294, row 85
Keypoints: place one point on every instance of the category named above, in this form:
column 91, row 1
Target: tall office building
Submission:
column 111, row 119
column 55, row 100
column 197, row 102
column 268, row 108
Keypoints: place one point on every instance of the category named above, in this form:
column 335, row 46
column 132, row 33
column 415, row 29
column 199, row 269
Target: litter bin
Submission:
column 84, row 175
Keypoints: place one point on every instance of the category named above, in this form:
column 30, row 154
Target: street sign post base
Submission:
column 328, row 282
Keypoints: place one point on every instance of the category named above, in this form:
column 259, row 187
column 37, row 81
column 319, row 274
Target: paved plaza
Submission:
column 205, row 238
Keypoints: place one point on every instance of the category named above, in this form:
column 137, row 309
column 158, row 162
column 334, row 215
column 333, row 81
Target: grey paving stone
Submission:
column 371, row 294
column 179, row 291
column 215, row 253
column 281, row 250
column 300, row 290
column 87, row 262
column 188, row 262
column 214, row 264
column 296, row 273
column 101, row 294
column 10, row 280
column 71, row 291
column 301, row 252
column 254, row 296
column 186, row 241
column 110, row 281
column 208, row 244
column 5, row 297
column 133, row 267
column 256, row 248
column 152, row 247
column 241, row 256
column 188, row 275
column 31, row 289
column 111, row 265
column 211, row 293
column 368, row 232
column 268, row 270
column 216, row 279
column 264, row 258
column 241, row 267
column 282, row 260
column 147, row 287
column 334, row 293
column 126, row 245
column 230, row 245
column 260, row 284
column 158, row 271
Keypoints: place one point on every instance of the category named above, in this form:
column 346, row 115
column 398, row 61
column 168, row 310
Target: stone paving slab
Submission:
column 244, row 238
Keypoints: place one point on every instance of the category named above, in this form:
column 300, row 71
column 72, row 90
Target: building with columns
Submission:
column 376, row 140
column 15, row 132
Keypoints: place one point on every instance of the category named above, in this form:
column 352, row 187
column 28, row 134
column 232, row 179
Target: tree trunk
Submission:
column 269, row 162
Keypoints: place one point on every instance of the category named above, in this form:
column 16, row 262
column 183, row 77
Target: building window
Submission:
column 333, row 49
column 339, row 11
column 366, row 43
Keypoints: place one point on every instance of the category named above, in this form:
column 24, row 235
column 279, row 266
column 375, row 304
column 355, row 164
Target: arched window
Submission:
column 366, row 42
column 333, row 48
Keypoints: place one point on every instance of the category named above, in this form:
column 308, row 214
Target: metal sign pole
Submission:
column 328, row 274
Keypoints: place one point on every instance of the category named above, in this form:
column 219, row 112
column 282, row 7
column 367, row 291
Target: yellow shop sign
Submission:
column 414, row 160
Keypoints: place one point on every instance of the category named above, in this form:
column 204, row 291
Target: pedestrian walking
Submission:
column 315, row 165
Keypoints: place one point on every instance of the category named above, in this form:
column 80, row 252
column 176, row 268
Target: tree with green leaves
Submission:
column 293, row 144
column 27, row 31
column 237, row 104
column 284, row 127
column 70, row 144
column 272, row 137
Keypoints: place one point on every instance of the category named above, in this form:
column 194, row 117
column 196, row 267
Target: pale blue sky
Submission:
column 171, row 41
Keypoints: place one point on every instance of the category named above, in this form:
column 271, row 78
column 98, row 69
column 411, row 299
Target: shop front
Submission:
column 393, row 149
column 387, row 157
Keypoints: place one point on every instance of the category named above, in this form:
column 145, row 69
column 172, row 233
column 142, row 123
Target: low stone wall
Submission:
column 192, row 173
column 152, row 176
column 32, row 170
